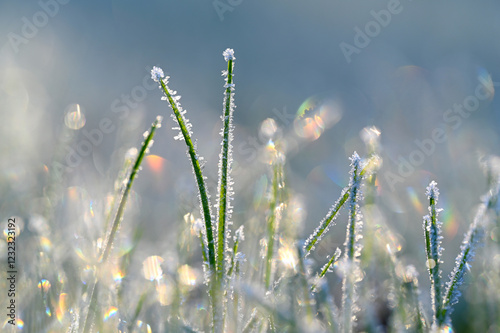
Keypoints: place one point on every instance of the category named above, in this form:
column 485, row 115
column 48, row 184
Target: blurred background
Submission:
column 76, row 94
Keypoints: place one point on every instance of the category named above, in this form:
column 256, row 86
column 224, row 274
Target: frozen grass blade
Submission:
column 352, row 247
column 325, row 224
column 432, row 230
column 225, row 183
column 148, row 142
column 146, row 145
column 473, row 238
column 185, row 128
column 225, row 188
column 327, row 267
column 185, row 133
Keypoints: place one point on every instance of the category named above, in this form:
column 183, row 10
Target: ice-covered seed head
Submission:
column 157, row 74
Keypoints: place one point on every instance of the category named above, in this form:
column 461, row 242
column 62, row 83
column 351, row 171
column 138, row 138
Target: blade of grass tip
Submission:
column 271, row 232
column 327, row 268
column 472, row 240
column 352, row 246
column 433, row 238
column 225, row 188
column 146, row 145
column 330, row 217
column 185, row 128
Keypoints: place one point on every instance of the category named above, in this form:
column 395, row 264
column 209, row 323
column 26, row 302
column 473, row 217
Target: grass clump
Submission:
column 287, row 286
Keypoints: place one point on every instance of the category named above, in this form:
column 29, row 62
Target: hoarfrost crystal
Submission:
column 228, row 54
column 157, row 74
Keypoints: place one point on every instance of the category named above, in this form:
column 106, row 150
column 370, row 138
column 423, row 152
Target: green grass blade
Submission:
column 433, row 248
column 325, row 224
column 146, row 145
column 205, row 203
column 352, row 246
column 472, row 240
column 225, row 166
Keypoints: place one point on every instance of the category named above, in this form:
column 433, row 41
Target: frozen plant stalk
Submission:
column 352, row 246
column 432, row 232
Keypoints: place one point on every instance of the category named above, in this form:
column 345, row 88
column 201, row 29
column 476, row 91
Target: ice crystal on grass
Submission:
column 157, row 74
column 328, row 267
column 472, row 240
column 228, row 54
column 325, row 224
column 433, row 238
column 352, row 271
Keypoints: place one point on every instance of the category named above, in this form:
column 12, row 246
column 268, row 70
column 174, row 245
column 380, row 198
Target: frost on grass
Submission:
column 185, row 132
column 352, row 269
column 325, row 224
column 433, row 239
column 472, row 240
column 228, row 54
column 225, row 183
column 327, row 268
column 157, row 74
